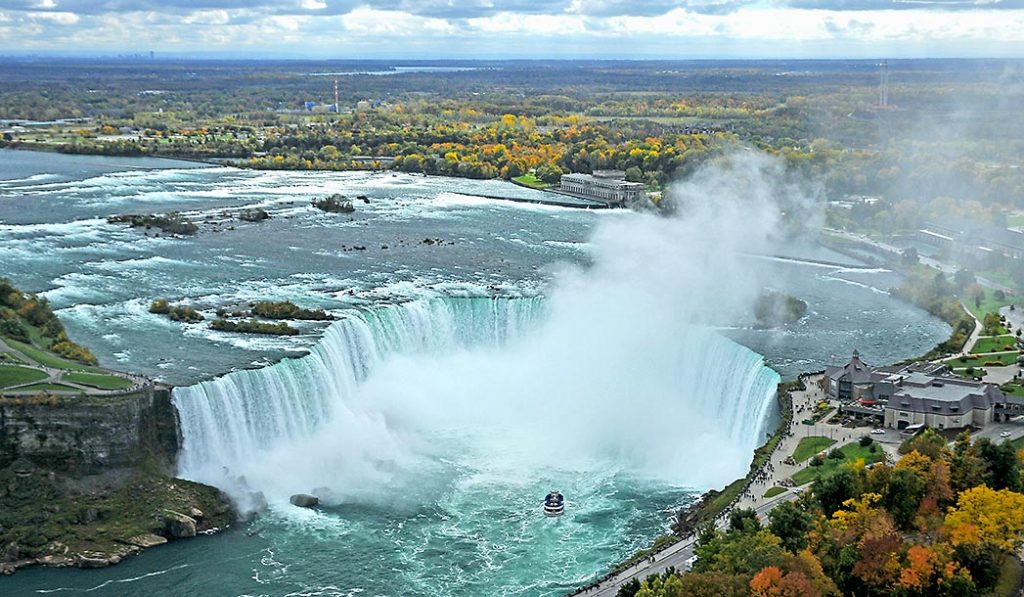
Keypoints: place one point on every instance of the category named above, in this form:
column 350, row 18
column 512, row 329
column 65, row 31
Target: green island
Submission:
column 288, row 310
column 253, row 326
column 776, row 308
column 175, row 312
column 102, row 466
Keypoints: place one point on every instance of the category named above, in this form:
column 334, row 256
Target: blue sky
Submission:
column 517, row 28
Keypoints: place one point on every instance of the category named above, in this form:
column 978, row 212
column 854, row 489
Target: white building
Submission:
column 609, row 186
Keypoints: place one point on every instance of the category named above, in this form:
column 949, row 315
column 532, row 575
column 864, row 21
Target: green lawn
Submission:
column 774, row 491
column 1002, row 358
column 995, row 344
column 989, row 304
column 12, row 375
column 8, row 357
column 853, row 451
column 45, row 358
column 962, row 372
column 809, row 446
column 98, row 380
column 48, row 387
column 531, row 181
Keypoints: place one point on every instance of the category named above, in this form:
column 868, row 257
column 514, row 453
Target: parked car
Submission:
column 878, row 432
column 1004, row 434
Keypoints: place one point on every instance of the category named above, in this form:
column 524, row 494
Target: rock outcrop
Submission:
column 304, row 500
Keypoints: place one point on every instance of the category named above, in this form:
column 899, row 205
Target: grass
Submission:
column 995, row 344
column 774, row 491
column 962, row 372
column 98, row 380
column 9, row 357
column 13, row 375
column 1009, row 572
column 852, row 452
column 1000, row 358
column 531, row 181
column 989, row 304
column 1012, row 390
column 809, row 446
column 45, row 358
column 48, row 387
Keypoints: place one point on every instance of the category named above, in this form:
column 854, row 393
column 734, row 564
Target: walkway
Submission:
column 55, row 376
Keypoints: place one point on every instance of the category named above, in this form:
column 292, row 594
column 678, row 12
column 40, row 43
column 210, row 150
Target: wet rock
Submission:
column 147, row 540
column 94, row 560
column 177, row 525
column 304, row 500
column 11, row 552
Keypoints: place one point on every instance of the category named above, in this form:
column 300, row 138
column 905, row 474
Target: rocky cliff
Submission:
column 85, row 434
column 84, row 480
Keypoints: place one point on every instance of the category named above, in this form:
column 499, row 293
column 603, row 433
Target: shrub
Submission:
column 836, row 454
column 160, row 306
column 70, row 350
column 816, row 461
column 867, row 440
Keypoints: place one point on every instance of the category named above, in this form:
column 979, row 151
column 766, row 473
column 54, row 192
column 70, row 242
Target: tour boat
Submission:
column 554, row 504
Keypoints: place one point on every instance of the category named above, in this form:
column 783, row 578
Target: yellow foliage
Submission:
column 983, row 515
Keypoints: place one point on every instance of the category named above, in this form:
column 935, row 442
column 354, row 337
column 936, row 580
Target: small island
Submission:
column 775, row 308
column 335, row 203
column 252, row 326
column 171, row 223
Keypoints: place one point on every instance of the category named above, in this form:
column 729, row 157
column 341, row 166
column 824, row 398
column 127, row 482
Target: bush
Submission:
column 287, row 310
column 836, row 454
column 816, row 461
column 254, row 327
column 873, row 448
column 70, row 350
column 867, row 440
column 160, row 306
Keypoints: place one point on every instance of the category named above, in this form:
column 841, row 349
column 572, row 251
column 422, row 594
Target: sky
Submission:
column 475, row 29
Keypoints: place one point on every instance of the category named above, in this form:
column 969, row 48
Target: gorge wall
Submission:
column 89, row 433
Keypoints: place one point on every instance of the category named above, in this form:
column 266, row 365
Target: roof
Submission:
column 610, row 183
column 856, row 371
column 943, row 395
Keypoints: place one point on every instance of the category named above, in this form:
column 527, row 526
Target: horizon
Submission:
column 520, row 29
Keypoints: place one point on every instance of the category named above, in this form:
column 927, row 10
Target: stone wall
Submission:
column 88, row 433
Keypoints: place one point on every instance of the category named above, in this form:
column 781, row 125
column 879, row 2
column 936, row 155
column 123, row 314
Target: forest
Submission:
column 942, row 521
column 949, row 141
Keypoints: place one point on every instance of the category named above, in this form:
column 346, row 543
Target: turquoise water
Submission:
column 533, row 350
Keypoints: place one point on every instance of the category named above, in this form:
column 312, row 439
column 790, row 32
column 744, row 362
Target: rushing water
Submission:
column 446, row 398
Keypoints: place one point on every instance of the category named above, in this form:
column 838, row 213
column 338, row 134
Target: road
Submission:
column 673, row 557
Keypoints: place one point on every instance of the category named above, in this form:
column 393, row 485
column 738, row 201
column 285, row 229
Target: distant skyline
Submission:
column 454, row 29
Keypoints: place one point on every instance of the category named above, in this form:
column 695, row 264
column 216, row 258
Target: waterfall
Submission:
column 505, row 376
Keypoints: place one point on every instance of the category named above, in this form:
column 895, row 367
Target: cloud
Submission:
column 529, row 28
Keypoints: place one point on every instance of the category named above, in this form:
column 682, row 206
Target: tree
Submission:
column 1001, row 463
column 744, row 520
column 790, row 523
column 832, row 490
column 987, row 516
column 634, row 174
column 909, row 258
column 963, row 278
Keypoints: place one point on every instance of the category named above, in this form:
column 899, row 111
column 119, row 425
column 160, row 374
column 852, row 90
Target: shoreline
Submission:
column 216, row 162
